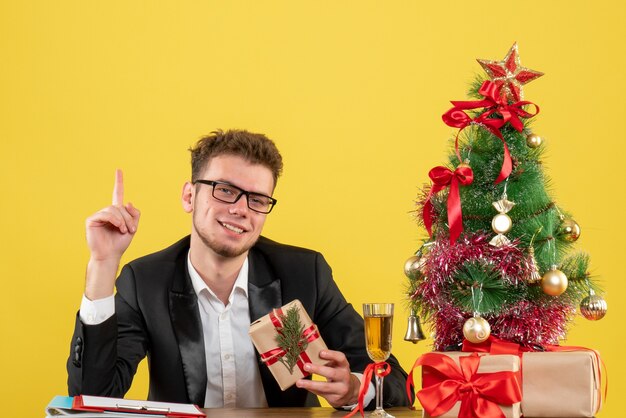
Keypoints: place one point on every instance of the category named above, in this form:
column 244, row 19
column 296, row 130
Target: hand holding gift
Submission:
column 287, row 339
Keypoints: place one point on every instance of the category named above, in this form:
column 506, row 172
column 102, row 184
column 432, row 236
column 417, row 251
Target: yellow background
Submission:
column 351, row 91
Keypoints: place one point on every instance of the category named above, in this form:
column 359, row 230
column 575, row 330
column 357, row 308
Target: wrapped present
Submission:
column 286, row 340
column 455, row 384
column 561, row 384
column 563, row 381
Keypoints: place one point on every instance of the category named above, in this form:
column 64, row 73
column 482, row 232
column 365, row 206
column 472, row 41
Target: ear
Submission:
column 187, row 197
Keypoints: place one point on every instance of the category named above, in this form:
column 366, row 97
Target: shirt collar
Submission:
column 198, row 284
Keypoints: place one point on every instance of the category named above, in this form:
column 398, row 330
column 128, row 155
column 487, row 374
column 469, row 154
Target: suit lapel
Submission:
column 188, row 329
column 264, row 294
column 264, row 291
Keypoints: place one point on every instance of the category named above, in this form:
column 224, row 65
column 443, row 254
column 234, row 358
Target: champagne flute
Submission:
column 378, row 325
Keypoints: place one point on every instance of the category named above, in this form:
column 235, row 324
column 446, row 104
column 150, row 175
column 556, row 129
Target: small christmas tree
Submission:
column 499, row 257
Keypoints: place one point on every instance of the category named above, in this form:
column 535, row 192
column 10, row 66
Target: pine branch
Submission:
column 290, row 338
column 475, row 86
column 575, row 269
column 478, row 288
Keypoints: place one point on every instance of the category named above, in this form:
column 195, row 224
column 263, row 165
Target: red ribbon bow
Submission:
column 442, row 177
column 496, row 103
column 272, row 356
column 479, row 393
column 495, row 345
column 380, row 369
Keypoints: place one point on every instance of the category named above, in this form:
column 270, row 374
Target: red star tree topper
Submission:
column 509, row 74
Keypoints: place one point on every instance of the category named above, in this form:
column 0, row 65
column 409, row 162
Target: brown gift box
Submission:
column 561, row 384
column 488, row 364
column 263, row 335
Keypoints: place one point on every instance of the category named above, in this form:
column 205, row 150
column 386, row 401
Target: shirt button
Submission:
column 226, row 356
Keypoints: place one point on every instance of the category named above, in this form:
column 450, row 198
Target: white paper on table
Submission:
column 163, row 408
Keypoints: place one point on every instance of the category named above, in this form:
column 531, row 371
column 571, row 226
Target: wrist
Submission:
column 100, row 278
column 355, row 386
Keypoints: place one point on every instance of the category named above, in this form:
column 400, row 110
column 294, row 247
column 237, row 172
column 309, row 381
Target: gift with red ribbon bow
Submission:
column 468, row 386
column 287, row 362
column 558, row 381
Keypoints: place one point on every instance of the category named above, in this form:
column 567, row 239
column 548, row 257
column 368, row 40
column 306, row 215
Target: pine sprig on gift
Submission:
column 290, row 338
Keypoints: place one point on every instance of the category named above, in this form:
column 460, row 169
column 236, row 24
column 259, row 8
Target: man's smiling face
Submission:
column 229, row 229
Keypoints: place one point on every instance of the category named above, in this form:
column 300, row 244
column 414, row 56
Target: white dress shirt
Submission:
column 234, row 379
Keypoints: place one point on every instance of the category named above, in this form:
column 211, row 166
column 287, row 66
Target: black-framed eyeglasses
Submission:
column 227, row 193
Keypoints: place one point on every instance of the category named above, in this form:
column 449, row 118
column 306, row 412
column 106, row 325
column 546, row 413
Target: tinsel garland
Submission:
column 533, row 322
column 445, row 258
column 525, row 322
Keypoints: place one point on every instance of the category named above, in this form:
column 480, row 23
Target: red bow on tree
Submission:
column 495, row 103
column 479, row 393
column 443, row 177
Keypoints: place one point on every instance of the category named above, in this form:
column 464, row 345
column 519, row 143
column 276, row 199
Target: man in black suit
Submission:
column 188, row 307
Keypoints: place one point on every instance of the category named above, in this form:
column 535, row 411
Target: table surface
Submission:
column 299, row 412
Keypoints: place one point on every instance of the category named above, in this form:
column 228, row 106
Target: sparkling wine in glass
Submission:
column 378, row 325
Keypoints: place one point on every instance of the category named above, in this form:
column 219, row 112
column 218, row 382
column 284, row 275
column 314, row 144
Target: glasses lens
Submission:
column 259, row 203
column 225, row 192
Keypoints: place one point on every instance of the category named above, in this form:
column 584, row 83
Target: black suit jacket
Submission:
column 157, row 315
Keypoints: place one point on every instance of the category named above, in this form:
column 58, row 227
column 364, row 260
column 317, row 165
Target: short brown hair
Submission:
column 255, row 148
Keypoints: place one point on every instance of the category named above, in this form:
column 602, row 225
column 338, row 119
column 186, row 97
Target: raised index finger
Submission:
column 118, row 188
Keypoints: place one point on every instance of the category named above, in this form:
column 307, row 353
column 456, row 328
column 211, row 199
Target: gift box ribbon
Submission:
column 272, row 356
column 479, row 393
column 495, row 345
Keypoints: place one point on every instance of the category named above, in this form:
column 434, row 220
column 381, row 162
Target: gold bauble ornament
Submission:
column 593, row 307
column 569, row 229
column 533, row 140
column 554, row 282
column 413, row 266
column 476, row 329
column 501, row 223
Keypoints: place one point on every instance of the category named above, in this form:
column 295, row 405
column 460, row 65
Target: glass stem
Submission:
column 379, row 393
